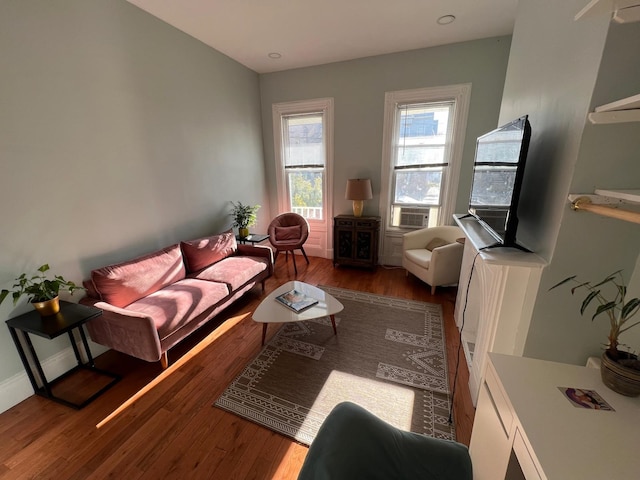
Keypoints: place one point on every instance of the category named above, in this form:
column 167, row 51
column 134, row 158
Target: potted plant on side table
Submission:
column 244, row 216
column 42, row 292
column 620, row 370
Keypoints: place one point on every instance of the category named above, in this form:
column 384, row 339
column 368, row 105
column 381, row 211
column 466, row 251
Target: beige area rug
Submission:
column 388, row 356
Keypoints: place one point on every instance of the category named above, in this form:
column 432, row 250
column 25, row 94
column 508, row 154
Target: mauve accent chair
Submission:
column 288, row 232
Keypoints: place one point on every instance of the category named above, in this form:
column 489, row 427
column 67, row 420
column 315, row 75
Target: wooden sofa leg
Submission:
column 433, row 290
column 262, row 285
column 164, row 360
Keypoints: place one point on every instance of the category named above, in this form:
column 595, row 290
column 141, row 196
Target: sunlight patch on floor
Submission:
column 208, row 340
column 341, row 386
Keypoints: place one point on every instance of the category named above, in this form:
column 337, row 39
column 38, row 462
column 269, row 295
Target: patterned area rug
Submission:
column 388, row 356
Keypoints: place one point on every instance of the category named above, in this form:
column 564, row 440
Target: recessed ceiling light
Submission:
column 275, row 55
column 446, row 19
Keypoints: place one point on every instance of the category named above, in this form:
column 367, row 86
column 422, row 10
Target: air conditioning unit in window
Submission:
column 414, row 217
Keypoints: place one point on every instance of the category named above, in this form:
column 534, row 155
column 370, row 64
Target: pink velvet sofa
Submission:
column 152, row 302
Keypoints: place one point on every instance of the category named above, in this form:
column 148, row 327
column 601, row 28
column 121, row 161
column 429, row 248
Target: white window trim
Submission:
column 461, row 94
column 324, row 105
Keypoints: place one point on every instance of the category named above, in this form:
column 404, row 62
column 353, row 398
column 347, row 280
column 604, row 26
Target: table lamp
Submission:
column 358, row 190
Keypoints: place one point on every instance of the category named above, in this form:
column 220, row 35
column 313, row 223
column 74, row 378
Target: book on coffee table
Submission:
column 296, row 300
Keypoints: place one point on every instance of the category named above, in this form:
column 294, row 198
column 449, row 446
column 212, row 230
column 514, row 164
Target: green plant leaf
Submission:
column 3, row 295
column 630, row 308
column 585, row 284
column 604, row 308
column 587, row 301
column 609, row 278
column 563, row 282
column 622, row 290
column 44, row 268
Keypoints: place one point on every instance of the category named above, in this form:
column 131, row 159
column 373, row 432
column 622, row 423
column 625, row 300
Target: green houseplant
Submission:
column 244, row 216
column 42, row 291
column 620, row 369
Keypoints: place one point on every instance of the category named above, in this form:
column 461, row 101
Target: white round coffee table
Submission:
column 272, row 311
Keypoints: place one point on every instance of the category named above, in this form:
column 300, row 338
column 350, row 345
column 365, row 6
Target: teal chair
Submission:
column 354, row 444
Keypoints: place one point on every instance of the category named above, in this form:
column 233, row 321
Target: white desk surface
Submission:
column 570, row 442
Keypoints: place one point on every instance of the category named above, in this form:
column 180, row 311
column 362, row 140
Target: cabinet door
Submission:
column 364, row 246
column 344, row 244
column 490, row 446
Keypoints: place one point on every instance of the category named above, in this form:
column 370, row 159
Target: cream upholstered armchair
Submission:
column 433, row 255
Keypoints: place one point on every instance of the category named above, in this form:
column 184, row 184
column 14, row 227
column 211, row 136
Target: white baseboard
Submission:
column 17, row 388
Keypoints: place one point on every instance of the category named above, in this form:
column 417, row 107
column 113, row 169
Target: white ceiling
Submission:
column 314, row 32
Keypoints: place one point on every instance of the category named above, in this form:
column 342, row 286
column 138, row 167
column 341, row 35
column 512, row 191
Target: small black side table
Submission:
column 253, row 238
column 71, row 316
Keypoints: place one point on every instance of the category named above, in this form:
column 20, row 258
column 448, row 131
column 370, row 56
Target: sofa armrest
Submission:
column 258, row 251
column 128, row 332
column 445, row 263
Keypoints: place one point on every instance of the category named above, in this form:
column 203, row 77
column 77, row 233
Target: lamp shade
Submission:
column 358, row 189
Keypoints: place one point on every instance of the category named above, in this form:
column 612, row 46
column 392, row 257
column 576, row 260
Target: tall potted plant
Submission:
column 244, row 216
column 620, row 370
column 42, row 291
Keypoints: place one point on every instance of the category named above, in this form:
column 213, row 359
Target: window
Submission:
column 304, row 161
column 424, row 133
column 303, row 147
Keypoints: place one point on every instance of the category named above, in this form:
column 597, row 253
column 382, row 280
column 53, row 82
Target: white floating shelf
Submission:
column 620, row 111
column 627, row 15
column 628, row 103
column 626, row 195
column 599, row 5
column 616, row 116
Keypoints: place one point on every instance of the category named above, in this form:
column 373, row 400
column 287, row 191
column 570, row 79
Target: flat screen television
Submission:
column 498, row 170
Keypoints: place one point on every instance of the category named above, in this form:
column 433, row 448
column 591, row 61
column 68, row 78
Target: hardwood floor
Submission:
column 161, row 424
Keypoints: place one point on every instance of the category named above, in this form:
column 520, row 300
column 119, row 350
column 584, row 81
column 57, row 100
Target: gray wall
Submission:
column 118, row 135
column 358, row 87
column 556, row 76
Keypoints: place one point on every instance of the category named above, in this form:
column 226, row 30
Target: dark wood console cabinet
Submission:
column 355, row 241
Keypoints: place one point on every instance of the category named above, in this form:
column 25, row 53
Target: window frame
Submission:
column 460, row 96
column 325, row 106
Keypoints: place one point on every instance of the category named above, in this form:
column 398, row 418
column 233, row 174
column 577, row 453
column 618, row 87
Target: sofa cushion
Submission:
column 124, row 283
column 234, row 271
column 436, row 243
column 175, row 305
column 419, row 256
column 202, row 252
column 288, row 233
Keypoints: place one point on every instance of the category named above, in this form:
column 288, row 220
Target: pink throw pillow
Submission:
column 202, row 252
column 288, row 233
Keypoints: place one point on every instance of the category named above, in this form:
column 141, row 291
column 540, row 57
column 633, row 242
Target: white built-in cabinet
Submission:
column 496, row 294
column 525, row 427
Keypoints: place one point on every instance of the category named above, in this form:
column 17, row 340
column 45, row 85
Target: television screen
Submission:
column 497, row 177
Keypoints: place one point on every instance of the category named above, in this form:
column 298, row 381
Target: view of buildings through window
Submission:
column 420, row 159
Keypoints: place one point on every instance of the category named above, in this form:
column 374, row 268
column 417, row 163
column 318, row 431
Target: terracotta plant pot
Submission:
column 47, row 308
column 620, row 378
